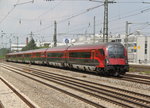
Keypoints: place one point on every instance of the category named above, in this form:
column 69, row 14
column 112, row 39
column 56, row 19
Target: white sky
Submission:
column 25, row 18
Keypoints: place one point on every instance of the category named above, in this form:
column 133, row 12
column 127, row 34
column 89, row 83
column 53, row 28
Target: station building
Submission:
column 17, row 47
column 143, row 49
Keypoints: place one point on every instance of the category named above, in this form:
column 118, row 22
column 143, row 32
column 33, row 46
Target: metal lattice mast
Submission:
column 94, row 31
column 105, row 25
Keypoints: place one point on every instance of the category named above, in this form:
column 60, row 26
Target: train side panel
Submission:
column 109, row 58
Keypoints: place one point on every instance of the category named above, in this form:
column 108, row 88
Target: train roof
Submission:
column 29, row 51
column 60, row 48
column 83, row 47
column 39, row 50
column 93, row 46
column 73, row 47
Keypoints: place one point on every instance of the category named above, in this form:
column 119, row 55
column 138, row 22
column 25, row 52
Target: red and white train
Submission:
column 108, row 58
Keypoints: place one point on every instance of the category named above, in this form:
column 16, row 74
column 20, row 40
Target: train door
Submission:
column 93, row 52
column 66, row 56
column 43, row 57
column 65, row 59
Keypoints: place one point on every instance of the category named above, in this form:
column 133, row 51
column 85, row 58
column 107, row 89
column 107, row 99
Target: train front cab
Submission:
column 116, row 61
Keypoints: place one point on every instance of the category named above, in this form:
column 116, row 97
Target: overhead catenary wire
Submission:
column 142, row 11
column 144, row 26
column 71, row 17
column 127, row 16
column 62, row 21
column 44, row 13
column 101, row 1
column 99, row 24
column 67, row 19
column 24, row 3
column 132, row 11
column 131, row 15
column 76, row 15
column 11, row 10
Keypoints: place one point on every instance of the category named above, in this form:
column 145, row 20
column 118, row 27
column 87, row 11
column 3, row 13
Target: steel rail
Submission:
column 115, row 95
column 21, row 96
column 80, row 90
column 138, row 76
column 61, row 90
column 136, row 99
column 101, row 85
column 132, row 79
column 100, row 90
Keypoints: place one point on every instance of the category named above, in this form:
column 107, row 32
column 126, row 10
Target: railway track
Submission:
column 113, row 95
column 136, row 78
column 131, row 78
column 59, row 89
column 20, row 95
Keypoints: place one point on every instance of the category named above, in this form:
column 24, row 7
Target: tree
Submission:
column 31, row 45
column 3, row 52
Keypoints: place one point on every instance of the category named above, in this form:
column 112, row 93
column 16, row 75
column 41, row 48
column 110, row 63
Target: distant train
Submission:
column 107, row 59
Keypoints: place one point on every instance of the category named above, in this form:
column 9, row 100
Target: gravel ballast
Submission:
column 9, row 99
column 47, row 97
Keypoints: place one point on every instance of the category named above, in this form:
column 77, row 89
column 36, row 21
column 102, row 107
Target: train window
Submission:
column 73, row 54
column 102, row 52
column 38, row 54
column 27, row 55
column 80, row 54
column 43, row 54
column 19, row 55
column 116, row 52
column 55, row 54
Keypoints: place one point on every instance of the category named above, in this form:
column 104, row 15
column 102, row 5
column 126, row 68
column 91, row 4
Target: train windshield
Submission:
column 116, row 51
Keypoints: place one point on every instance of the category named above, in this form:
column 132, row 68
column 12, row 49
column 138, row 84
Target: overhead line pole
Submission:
column 94, row 31
column 126, row 40
column 17, row 43
column 10, row 44
column 55, row 34
column 105, row 24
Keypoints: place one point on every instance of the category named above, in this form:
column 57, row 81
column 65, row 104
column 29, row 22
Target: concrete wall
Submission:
column 141, row 49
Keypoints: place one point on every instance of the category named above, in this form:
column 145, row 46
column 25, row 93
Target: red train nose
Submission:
column 117, row 61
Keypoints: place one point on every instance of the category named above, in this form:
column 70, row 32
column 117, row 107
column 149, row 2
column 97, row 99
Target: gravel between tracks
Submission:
column 47, row 97
column 9, row 99
column 131, row 86
column 44, row 96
